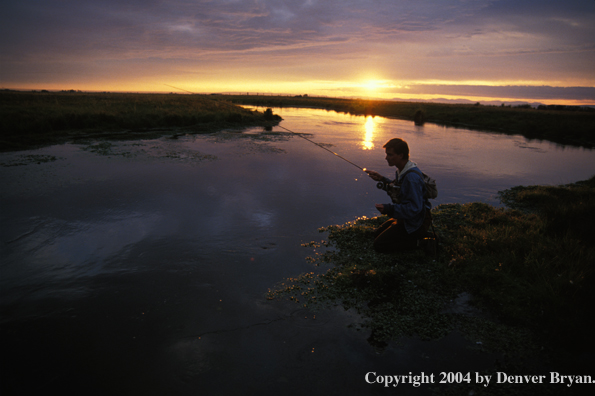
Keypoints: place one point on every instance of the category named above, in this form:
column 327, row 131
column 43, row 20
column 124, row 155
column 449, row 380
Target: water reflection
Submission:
column 175, row 243
column 468, row 165
column 369, row 126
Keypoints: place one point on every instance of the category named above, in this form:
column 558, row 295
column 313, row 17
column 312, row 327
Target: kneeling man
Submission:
column 409, row 211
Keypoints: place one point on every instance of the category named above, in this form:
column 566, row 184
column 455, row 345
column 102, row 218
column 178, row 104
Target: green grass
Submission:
column 29, row 119
column 531, row 270
column 564, row 125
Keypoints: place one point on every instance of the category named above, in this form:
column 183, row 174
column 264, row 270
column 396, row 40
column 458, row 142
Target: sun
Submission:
column 372, row 85
column 377, row 88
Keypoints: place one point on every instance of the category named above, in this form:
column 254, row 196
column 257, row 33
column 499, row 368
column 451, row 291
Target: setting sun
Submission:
column 371, row 85
column 375, row 85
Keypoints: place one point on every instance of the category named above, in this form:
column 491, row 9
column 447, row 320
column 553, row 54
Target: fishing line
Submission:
column 181, row 89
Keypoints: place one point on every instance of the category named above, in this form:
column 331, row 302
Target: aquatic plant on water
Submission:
column 537, row 286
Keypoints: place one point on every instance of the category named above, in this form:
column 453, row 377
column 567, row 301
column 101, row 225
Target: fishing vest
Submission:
column 393, row 189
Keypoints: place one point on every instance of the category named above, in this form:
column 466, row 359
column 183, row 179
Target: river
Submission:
column 141, row 267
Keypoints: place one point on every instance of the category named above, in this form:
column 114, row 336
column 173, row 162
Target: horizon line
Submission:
column 438, row 99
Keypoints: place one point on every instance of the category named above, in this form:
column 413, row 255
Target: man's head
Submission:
column 397, row 152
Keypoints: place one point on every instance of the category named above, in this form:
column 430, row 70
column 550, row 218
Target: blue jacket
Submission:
column 412, row 209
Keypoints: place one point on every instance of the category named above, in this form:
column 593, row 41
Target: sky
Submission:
column 480, row 50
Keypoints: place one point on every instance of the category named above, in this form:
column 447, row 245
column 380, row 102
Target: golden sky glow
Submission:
column 478, row 50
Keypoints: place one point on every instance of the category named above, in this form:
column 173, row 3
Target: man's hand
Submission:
column 380, row 208
column 374, row 175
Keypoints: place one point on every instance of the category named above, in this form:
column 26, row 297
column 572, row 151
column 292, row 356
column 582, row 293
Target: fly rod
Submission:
column 297, row 134
column 322, row 147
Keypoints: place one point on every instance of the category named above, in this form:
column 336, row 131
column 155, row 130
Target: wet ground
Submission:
column 141, row 267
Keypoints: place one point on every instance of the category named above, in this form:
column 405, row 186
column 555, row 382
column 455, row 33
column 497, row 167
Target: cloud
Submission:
column 509, row 92
column 502, row 42
column 84, row 27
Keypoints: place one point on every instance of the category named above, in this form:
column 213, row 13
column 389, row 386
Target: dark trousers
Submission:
column 392, row 236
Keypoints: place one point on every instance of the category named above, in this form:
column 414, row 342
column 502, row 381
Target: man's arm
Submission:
column 377, row 176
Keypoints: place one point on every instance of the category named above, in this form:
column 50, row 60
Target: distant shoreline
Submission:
column 565, row 125
column 535, row 103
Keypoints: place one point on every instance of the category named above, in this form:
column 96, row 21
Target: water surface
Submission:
column 141, row 267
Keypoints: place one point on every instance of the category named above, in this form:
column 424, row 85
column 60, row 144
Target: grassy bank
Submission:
column 32, row 119
column 529, row 269
column 559, row 124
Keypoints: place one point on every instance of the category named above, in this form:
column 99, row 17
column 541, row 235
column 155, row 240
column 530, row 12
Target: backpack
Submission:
column 394, row 189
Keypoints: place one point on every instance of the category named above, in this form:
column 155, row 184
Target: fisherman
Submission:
column 410, row 212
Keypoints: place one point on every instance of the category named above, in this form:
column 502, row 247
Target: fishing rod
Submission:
column 380, row 185
column 322, row 147
column 297, row 134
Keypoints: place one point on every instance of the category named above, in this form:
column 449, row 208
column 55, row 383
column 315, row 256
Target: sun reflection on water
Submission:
column 369, row 126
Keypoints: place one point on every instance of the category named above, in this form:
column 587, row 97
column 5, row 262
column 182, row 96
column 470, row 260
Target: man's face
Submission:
column 391, row 157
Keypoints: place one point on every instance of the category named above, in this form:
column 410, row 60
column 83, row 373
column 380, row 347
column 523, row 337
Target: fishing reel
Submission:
column 393, row 191
column 382, row 185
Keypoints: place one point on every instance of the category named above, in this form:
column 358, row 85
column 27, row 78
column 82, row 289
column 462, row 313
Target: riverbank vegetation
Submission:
column 33, row 119
column 526, row 269
column 566, row 125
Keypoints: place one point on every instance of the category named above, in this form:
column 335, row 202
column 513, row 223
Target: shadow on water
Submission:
column 141, row 267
